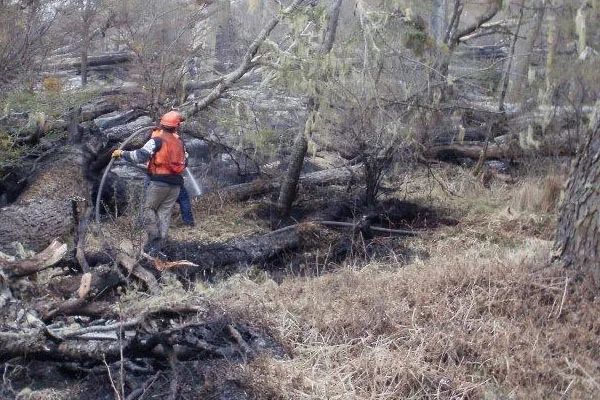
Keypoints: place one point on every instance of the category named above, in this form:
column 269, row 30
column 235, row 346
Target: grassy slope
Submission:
column 478, row 318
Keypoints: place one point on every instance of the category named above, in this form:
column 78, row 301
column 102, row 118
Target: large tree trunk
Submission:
column 578, row 236
column 517, row 84
column 34, row 225
column 224, row 41
column 438, row 21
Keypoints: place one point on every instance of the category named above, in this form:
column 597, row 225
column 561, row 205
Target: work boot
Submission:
column 154, row 247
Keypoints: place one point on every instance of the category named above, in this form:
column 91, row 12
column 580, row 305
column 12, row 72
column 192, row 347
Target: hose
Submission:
column 109, row 166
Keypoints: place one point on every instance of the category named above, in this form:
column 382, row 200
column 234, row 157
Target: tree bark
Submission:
column 35, row 224
column 522, row 64
column 577, row 241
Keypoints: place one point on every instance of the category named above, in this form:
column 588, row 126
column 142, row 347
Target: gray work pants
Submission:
column 160, row 198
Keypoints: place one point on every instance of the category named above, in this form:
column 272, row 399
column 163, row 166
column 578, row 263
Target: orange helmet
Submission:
column 172, row 119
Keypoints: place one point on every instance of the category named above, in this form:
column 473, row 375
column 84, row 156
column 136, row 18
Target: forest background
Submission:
column 471, row 125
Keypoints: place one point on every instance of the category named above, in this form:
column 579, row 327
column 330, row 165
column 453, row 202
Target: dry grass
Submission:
column 479, row 318
column 217, row 220
column 539, row 196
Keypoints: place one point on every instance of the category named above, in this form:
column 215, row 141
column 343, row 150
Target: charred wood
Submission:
column 92, row 61
column 334, row 176
column 129, row 261
column 209, row 336
column 85, row 302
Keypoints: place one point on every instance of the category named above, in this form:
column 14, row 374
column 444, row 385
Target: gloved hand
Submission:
column 117, row 154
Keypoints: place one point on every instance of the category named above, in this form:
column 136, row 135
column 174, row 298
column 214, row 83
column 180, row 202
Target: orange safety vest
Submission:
column 170, row 158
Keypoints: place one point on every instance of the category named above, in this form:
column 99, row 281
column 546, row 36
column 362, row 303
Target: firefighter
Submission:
column 165, row 156
column 184, row 201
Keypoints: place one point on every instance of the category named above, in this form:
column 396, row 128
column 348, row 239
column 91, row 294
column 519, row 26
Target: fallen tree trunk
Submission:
column 92, row 61
column 467, row 150
column 245, row 191
column 236, row 251
column 34, row 224
column 334, row 176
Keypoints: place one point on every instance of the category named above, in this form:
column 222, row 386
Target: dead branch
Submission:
column 402, row 232
column 45, row 259
column 235, row 334
column 102, row 279
column 81, row 223
column 246, row 65
column 477, row 23
column 139, row 392
column 127, row 259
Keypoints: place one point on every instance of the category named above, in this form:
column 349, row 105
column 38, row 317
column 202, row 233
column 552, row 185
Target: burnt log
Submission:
column 87, row 299
column 207, row 334
column 92, row 61
column 108, row 347
column 98, row 107
column 333, row 176
column 236, row 251
column 245, row 191
column 115, row 119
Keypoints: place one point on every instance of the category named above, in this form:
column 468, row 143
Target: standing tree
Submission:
column 578, row 236
column 224, row 36
column 87, row 11
column 577, row 242
column 289, row 185
column 524, row 48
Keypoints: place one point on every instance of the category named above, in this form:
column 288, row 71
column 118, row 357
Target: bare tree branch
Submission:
column 223, row 83
column 469, row 29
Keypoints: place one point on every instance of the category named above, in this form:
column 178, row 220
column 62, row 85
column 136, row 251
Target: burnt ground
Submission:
column 342, row 231
column 176, row 355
